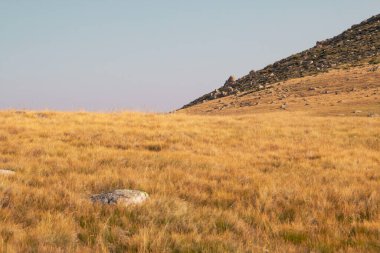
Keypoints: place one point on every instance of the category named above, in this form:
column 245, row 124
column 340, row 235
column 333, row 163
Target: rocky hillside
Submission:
column 359, row 43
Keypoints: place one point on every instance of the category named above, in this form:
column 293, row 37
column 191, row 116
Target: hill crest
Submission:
column 358, row 44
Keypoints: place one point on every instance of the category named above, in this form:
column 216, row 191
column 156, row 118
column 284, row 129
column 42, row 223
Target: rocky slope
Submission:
column 360, row 43
column 334, row 93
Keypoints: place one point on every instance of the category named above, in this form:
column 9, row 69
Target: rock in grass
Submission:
column 123, row 196
column 373, row 115
column 7, row 172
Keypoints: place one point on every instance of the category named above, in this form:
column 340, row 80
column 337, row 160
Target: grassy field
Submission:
column 270, row 182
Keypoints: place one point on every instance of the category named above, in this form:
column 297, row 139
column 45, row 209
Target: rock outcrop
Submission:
column 231, row 81
column 360, row 43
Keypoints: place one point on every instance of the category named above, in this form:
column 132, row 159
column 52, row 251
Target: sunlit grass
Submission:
column 275, row 181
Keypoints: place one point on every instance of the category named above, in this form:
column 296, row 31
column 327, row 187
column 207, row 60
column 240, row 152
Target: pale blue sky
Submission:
column 102, row 55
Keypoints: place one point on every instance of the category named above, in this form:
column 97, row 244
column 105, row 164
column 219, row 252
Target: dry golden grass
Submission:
column 271, row 182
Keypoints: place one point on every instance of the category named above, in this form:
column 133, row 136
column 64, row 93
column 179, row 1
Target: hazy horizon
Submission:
column 150, row 56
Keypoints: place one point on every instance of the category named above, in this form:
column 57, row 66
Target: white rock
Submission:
column 124, row 196
column 7, row 172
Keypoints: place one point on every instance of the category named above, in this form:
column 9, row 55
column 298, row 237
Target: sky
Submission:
column 154, row 56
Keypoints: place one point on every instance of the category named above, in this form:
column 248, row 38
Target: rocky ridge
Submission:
column 359, row 43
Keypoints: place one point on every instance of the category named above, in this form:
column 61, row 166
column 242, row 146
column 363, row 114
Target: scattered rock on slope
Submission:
column 124, row 196
column 373, row 115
